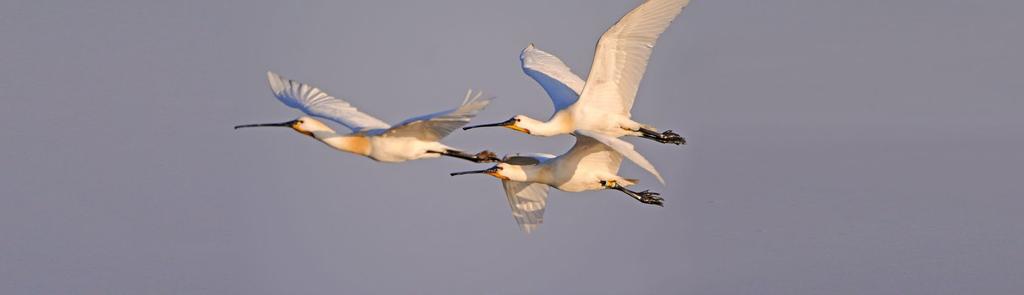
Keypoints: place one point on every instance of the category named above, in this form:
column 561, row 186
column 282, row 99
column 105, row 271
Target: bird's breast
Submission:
column 570, row 178
column 397, row 149
column 579, row 186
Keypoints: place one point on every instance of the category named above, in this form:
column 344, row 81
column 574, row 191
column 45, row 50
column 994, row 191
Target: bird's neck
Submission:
column 560, row 123
column 356, row 144
column 538, row 173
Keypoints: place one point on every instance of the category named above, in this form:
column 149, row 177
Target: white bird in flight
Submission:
column 589, row 165
column 416, row 138
column 600, row 107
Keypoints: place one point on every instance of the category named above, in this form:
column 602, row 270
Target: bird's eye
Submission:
column 300, row 122
column 518, row 119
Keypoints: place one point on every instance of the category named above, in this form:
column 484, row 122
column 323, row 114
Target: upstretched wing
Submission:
column 622, row 54
column 316, row 102
column 527, row 200
column 435, row 126
column 626, row 149
column 561, row 84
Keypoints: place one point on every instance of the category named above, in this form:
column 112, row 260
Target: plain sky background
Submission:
column 836, row 147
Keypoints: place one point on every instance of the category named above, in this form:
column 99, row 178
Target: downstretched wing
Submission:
column 316, row 102
column 561, row 84
column 527, row 200
column 622, row 54
column 435, row 126
column 626, row 149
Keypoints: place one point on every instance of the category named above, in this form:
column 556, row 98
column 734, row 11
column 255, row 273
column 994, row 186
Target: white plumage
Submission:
column 412, row 139
column 601, row 105
column 588, row 165
column 622, row 54
column 316, row 102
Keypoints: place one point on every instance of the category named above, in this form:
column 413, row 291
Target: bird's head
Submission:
column 503, row 171
column 305, row 125
column 309, row 126
column 518, row 123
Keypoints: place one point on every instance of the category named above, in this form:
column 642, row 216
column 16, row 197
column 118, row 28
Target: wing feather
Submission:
column 562, row 85
column 524, row 159
column 527, row 201
column 315, row 102
column 626, row 149
column 621, row 57
column 591, row 153
column 433, row 127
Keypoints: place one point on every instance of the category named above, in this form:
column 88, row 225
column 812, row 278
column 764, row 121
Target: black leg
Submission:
column 646, row 196
column 665, row 137
column 481, row 157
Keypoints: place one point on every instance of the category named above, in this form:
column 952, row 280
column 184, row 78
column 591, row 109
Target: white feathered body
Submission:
column 600, row 106
column 595, row 111
column 582, row 168
column 585, row 167
column 580, row 179
column 588, row 165
column 609, row 123
column 416, row 138
column 401, row 149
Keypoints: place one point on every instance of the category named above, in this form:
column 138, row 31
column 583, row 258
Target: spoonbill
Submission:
column 415, row 138
column 603, row 103
column 588, row 165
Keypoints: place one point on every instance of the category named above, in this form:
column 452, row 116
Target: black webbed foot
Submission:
column 646, row 196
column 673, row 138
column 665, row 137
column 486, row 157
column 649, row 197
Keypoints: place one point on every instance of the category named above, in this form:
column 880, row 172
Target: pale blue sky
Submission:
column 836, row 147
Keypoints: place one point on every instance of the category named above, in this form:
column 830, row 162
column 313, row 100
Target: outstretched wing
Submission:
column 561, row 84
column 626, row 149
column 316, row 102
column 622, row 54
column 527, row 200
column 435, row 126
